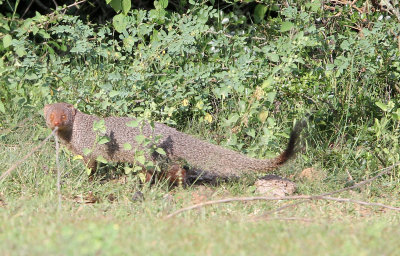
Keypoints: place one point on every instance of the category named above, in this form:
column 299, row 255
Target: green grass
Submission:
column 30, row 223
column 32, row 226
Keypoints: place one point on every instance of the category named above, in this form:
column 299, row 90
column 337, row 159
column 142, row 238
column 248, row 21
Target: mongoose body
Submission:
column 75, row 130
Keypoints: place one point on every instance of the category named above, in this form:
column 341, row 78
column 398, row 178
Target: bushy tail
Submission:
column 290, row 149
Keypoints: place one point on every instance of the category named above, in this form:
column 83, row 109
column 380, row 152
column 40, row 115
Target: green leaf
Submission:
column 160, row 151
column 259, row 12
column 267, row 83
column 116, row 5
column 77, row 157
column 88, row 171
column 20, row 51
column 113, row 93
column 273, row 56
column 314, row 5
column 101, row 159
column 103, row 140
column 99, row 126
column 150, row 165
column 133, row 123
column 142, row 177
column 119, row 22
column 286, row 26
column 127, row 146
column 44, row 34
column 129, row 42
column 141, row 159
column 382, row 106
column 396, row 115
column 271, row 96
column 251, row 133
column 2, row 108
column 163, row 3
column 127, row 170
column 140, row 138
column 126, row 6
column 87, row 151
column 137, row 168
column 7, row 40
column 232, row 119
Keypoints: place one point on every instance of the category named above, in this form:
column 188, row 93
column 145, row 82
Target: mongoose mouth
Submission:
column 60, row 127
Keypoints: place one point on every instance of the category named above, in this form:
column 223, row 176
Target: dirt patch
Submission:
column 273, row 185
column 312, row 174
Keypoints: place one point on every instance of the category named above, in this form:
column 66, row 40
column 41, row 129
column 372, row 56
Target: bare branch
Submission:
column 71, row 5
column 27, row 8
column 43, row 6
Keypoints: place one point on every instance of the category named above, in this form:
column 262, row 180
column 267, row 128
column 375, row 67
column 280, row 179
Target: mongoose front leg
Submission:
column 174, row 174
column 92, row 165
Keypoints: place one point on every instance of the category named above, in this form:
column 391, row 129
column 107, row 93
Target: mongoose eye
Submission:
column 63, row 117
column 51, row 117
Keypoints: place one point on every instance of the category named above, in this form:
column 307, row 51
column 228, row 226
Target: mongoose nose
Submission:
column 56, row 123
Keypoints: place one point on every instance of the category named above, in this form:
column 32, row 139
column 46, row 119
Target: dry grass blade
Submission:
column 18, row 163
column 58, row 172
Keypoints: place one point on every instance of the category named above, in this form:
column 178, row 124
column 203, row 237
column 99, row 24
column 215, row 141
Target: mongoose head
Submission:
column 59, row 115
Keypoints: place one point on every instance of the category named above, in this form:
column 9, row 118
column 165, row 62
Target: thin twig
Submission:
column 282, row 208
column 58, row 172
column 290, row 219
column 12, row 168
column 383, row 171
column 27, row 8
column 233, row 199
column 324, row 196
column 69, row 6
column 263, row 198
column 43, row 6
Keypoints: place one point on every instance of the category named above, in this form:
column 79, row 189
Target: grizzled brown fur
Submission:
column 75, row 130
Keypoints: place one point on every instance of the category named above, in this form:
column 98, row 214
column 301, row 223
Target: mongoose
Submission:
column 75, row 130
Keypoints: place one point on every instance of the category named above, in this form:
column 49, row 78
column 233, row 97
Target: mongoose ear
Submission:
column 71, row 107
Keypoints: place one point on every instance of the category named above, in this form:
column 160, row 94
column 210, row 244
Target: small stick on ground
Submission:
column 18, row 163
column 263, row 198
column 324, row 196
column 291, row 219
column 58, row 172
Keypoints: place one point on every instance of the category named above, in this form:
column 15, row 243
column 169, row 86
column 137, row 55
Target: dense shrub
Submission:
column 216, row 68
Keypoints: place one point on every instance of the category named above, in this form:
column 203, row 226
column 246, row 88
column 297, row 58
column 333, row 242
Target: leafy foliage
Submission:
column 216, row 69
